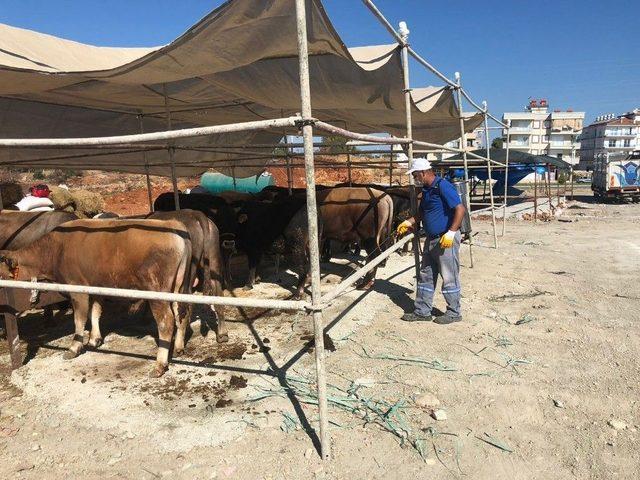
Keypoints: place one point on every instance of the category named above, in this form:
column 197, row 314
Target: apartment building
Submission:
column 475, row 140
column 540, row 132
column 609, row 134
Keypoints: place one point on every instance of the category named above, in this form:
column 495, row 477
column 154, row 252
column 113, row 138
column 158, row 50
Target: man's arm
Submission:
column 458, row 215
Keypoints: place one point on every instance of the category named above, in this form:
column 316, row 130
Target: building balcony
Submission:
column 518, row 143
column 520, row 128
column 620, row 147
column 563, row 145
column 615, row 134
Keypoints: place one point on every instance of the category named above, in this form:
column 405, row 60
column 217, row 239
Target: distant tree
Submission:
column 336, row 144
column 497, row 143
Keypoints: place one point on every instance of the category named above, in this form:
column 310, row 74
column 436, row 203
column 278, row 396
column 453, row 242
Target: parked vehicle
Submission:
column 616, row 176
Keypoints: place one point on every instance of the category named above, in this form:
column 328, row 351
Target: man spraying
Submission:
column 441, row 213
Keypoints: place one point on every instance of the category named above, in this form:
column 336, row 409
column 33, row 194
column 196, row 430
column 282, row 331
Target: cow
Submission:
column 232, row 196
column 356, row 214
column 401, row 204
column 19, row 229
column 133, row 254
column 275, row 193
column 280, row 227
column 217, row 209
column 207, row 269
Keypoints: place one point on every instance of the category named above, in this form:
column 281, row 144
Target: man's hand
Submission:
column 446, row 240
column 404, row 227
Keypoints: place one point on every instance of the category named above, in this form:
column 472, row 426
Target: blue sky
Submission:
column 582, row 54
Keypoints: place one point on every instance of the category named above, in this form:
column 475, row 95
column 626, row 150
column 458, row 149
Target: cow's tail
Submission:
column 182, row 282
column 388, row 230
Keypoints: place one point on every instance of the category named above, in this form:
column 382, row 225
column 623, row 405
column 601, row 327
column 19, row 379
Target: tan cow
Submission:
column 133, row 254
column 357, row 214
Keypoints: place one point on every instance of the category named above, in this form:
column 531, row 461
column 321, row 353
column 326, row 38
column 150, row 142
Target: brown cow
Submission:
column 206, row 265
column 355, row 214
column 134, row 254
column 18, row 229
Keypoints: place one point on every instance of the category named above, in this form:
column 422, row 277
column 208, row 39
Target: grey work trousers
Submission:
column 439, row 261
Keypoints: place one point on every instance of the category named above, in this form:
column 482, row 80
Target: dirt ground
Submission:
column 539, row 381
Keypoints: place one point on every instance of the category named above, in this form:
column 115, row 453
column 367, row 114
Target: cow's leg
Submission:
column 95, row 339
column 326, row 251
column 182, row 313
column 80, row 304
column 277, row 261
column 222, row 334
column 163, row 314
column 226, row 267
column 254, row 261
column 48, row 317
column 372, row 250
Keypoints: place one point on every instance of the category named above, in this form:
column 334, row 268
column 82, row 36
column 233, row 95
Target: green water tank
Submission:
column 217, row 182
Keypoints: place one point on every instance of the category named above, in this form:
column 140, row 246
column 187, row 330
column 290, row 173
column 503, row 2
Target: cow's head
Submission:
column 8, row 268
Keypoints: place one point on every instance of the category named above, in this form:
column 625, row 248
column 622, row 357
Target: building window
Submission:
column 535, row 139
column 612, row 143
column 627, row 142
column 536, row 124
column 470, row 142
column 545, row 138
column 547, row 124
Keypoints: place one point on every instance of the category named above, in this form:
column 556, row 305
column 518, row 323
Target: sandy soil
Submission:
column 540, row 381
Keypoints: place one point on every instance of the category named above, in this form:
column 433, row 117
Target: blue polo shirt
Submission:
column 437, row 206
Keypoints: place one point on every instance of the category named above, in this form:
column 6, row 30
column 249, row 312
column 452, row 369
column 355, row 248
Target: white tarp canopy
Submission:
column 239, row 63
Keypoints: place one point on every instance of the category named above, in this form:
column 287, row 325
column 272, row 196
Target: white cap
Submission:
column 418, row 165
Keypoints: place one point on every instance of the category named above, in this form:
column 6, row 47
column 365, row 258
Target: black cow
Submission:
column 280, row 227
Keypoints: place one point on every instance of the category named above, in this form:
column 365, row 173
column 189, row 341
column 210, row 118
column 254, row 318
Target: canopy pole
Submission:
column 146, row 167
column 233, row 177
column 489, row 174
column 349, row 169
column 548, row 187
column 174, row 180
column 506, row 180
column 463, row 143
column 287, row 153
column 391, row 165
column 11, row 322
column 312, row 215
column 535, row 192
column 404, row 35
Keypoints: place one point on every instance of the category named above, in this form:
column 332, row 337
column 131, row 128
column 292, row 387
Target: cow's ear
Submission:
column 242, row 218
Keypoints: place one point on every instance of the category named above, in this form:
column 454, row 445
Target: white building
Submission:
column 609, row 134
column 540, row 132
column 475, row 140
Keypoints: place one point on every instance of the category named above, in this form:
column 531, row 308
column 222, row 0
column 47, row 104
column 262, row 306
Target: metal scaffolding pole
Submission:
column 404, row 34
column 506, row 180
column 391, row 165
column 11, row 322
column 174, row 180
column 463, row 143
column 535, row 192
column 146, row 168
column 489, row 172
column 312, row 214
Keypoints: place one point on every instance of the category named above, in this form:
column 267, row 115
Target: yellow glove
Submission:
column 446, row 240
column 404, row 227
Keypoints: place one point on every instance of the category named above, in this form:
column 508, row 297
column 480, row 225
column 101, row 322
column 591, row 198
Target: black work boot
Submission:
column 414, row 317
column 447, row 318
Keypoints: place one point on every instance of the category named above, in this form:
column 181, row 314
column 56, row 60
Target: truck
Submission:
column 616, row 176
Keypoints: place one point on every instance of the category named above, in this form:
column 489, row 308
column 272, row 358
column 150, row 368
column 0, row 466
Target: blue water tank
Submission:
column 215, row 182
